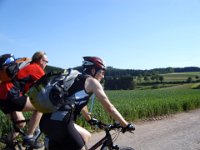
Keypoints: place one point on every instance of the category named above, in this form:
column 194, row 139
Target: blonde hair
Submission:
column 37, row 56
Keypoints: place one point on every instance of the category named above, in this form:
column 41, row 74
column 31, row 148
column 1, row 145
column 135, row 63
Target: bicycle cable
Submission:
column 115, row 135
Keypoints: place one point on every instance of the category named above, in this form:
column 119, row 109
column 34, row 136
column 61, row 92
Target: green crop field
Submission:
column 141, row 104
column 173, row 77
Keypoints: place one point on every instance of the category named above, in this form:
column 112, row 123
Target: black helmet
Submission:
column 93, row 62
column 6, row 59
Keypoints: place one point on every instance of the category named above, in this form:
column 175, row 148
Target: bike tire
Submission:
column 120, row 148
column 105, row 148
column 126, row 148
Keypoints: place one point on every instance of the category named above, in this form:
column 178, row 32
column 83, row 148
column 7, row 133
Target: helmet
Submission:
column 6, row 59
column 93, row 62
column 8, row 68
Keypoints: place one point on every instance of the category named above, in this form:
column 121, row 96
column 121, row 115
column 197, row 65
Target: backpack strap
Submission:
column 45, row 78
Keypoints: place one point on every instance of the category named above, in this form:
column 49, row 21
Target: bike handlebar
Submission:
column 116, row 125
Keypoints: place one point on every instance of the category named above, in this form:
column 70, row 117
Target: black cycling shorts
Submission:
column 10, row 105
column 63, row 134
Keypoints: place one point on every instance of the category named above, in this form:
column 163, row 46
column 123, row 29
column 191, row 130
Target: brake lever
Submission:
column 131, row 132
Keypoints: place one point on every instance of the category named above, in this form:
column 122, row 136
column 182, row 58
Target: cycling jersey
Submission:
column 29, row 75
column 5, row 87
column 79, row 94
column 11, row 93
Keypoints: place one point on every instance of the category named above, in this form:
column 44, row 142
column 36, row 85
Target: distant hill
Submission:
column 132, row 72
column 52, row 68
column 110, row 71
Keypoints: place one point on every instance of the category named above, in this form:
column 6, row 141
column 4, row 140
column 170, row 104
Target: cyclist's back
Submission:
column 65, row 134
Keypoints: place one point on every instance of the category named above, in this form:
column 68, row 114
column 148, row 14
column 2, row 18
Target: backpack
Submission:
column 9, row 66
column 50, row 92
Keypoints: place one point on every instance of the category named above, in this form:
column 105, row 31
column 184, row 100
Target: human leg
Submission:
column 35, row 117
column 84, row 133
column 61, row 132
column 16, row 117
column 12, row 109
column 33, row 124
column 19, row 105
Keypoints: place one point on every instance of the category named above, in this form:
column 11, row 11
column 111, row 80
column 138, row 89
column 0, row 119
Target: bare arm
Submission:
column 85, row 113
column 93, row 85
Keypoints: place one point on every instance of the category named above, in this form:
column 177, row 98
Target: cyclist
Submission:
column 13, row 101
column 59, row 126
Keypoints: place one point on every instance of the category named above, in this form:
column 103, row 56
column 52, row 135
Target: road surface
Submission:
column 176, row 132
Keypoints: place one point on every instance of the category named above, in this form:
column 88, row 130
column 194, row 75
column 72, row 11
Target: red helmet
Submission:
column 93, row 62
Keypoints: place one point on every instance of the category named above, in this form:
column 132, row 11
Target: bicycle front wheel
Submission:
column 105, row 148
column 120, row 148
column 126, row 148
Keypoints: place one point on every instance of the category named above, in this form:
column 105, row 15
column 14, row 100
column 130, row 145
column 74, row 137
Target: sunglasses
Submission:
column 45, row 61
column 102, row 71
column 9, row 60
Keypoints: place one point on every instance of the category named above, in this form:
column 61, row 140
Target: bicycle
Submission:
column 16, row 144
column 107, row 142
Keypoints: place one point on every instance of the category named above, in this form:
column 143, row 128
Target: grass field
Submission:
column 170, row 79
column 174, row 77
column 143, row 104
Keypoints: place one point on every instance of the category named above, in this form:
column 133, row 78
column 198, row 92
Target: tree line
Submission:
column 127, row 79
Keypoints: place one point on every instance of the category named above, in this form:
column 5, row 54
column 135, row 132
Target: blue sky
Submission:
column 127, row 34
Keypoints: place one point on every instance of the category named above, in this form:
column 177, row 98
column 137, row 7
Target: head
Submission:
column 6, row 59
column 40, row 58
column 94, row 66
column 8, row 68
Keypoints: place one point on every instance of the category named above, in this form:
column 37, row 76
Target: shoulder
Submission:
column 91, row 80
column 92, row 84
column 31, row 69
column 33, row 65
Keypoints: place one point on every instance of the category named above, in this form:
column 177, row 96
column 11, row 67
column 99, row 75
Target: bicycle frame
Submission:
column 107, row 140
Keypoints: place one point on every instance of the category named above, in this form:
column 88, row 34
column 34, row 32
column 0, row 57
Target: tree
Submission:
column 189, row 80
column 139, row 78
column 146, row 78
column 161, row 79
column 196, row 77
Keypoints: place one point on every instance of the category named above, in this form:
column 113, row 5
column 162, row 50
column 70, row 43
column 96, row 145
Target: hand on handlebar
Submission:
column 129, row 127
column 93, row 121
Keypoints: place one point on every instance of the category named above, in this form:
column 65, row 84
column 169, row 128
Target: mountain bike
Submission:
column 106, row 143
column 16, row 144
